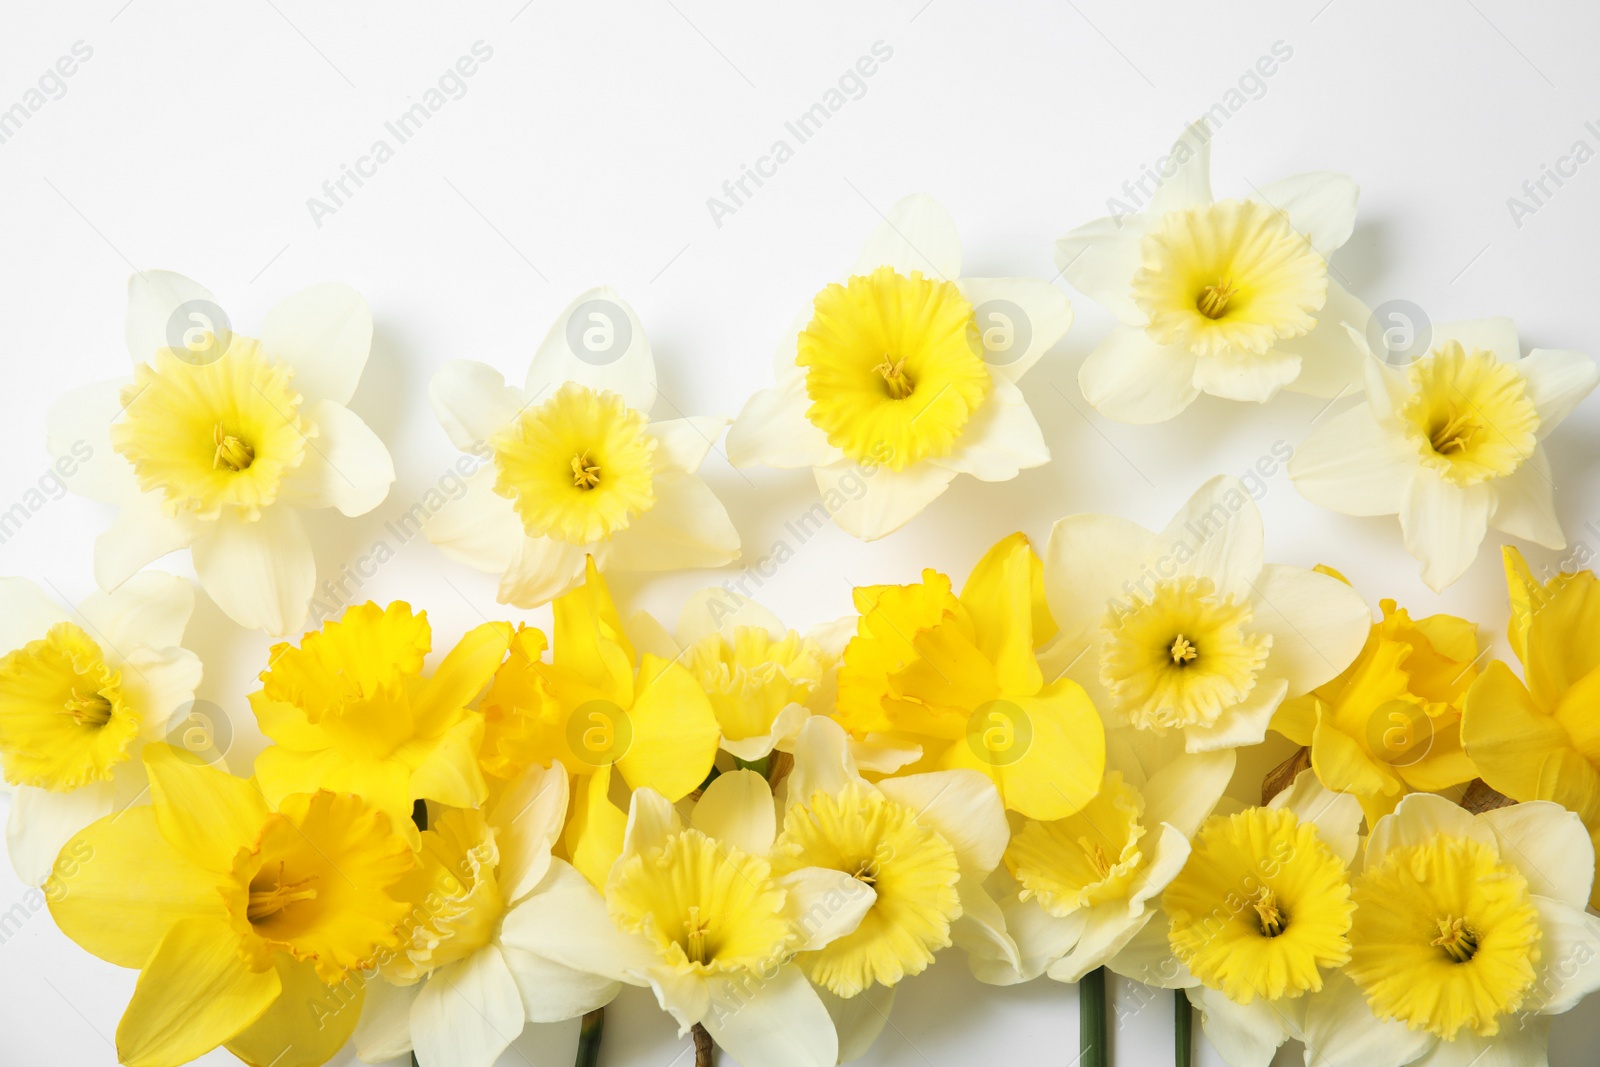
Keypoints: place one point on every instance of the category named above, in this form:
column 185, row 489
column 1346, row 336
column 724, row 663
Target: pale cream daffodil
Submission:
column 903, row 375
column 575, row 466
column 1470, row 933
column 81, row 694
column 1189, row 629
column 1452, row 444
column 220, row 440
column 701, row 913
column 1227, row 297
column 455, row 993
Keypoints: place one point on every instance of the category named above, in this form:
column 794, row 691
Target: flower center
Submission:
column 549, row 462
column 91, row 710
column 1233, row 276
column 1456, row 939
column 1182, row 651
column 1469, row 415
column 1085, row 859
column 1272, row 920
column 892, row 409
column 231, row 453
column 271, row 895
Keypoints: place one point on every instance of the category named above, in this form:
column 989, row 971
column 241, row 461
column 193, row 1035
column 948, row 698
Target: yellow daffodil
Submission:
column 455, row 993
column 960, row 676
column 1227, row 297
column 1469, row 933
column 80, row 695
column 575, row 467
column 705, row 916
column 1536, row 738
column 903, row 375
column 350, row 709
column 1451, row 444
column 248, row 922
column 1189, row 629
column 1390, row 723
column 221, row 440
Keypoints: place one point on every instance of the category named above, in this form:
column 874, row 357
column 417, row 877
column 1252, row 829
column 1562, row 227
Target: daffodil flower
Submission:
column 575, row 466
column 1469, row 933
column 961, row 677
column 704, row 915
column 351, row 710
column 1534, row 738
column 1452, row 444
column 454, row 992
column 220, row 440
column 1390, row 723
column 1076, row 890
column 1189, row 629
column 249, row 923
column 80, row 696
column 904, row 375
column 1227, row 297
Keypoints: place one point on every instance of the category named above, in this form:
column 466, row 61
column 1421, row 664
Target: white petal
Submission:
column 785, row 725
column 1246, row 1035
column 715, row 610
column 649, row 636
column 1321, row 205
column 1019, row 320
column 1189, row 185
column 682, row 444
column 325, row 334
column 1185, row 791
column 1244, row 376
column 26, row 613
column 157, row 302
column 737, row 809
column 159, row 682
column 599, row 342
column 825, row 904
column 779, row 1023
column 1032, row 939
column 1105, row 929
column 78, row 436
column 542, row 569
column 1099, row 260
column 822, row 762
column 384, row 1030
column 1168, row 852
column 1416, row 819
column 1523, row 1041
column 1130, row 378
column 1549, row 845
column 42, row 822
column 686, row 527
column 552, row 992
column 963, row 807
column 346, row 466
column 1387, row 388
column 772, row 430
column 141, row 533
column 981, row 926
column 1525, row 504
column 1569, row 956
column 468, row 1012
column 1148, row 958
column 918, row 234
column 881, row 754
column 527, row 819
column 1330, row 359
column 1351, row 465
column 1443, row 525
column 1341, row 1030
column 1002, row 438
column 260, row 573
column 1318, row 624
column 870, row 503
column 471, row 400
column 1221, row 528
column 567, row 923
column 1557, row 380
column 1337, row 816
column 478, row 527
column 858, row 1020
column 1086, row 562
column 150, row 609
column 1243, row 724
column 651, row 820
column 1497, row 335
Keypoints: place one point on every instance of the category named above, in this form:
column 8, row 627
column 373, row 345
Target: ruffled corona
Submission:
column 461, row 903
column 750, row 676
column 1469, row 415
column 1084, row 859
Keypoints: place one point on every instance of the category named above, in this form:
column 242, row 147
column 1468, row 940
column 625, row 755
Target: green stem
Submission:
column 760, row 766
column 1092, row 1019
column 1182, row 1027
column 594, row 1025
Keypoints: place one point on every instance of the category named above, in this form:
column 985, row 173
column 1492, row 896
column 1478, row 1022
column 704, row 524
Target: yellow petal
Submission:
column 589, row 638
column 1506, row 734
column 596, row 830
column 119, row 885
column 1445, row 764
column 1524, row 591
column 206, row 813
column 383, row 783
column 1005, row 595
column 1344, row 766
column 1563, row 637
column 307, row 1024
column 450, row 773
column 1045, row 753
column 675, row 731
column 463, row 674
column 194, row 994
column 1296, row 718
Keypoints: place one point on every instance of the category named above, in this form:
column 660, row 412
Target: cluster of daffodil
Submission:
column 1153, row 753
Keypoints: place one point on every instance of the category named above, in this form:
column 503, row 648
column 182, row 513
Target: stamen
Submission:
column 696, row 929
column 267, row 902
column 1095, row 855
column 1267, row 913
column 894, row 375
column 1213, row 299
column 91, row 710
column 231, row 452
column 1455, row 435
column 866, row 871
column 1182, row 651
column 1457, row 939
column 585, row 474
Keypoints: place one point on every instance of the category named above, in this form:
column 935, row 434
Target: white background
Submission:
column 584, row 151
